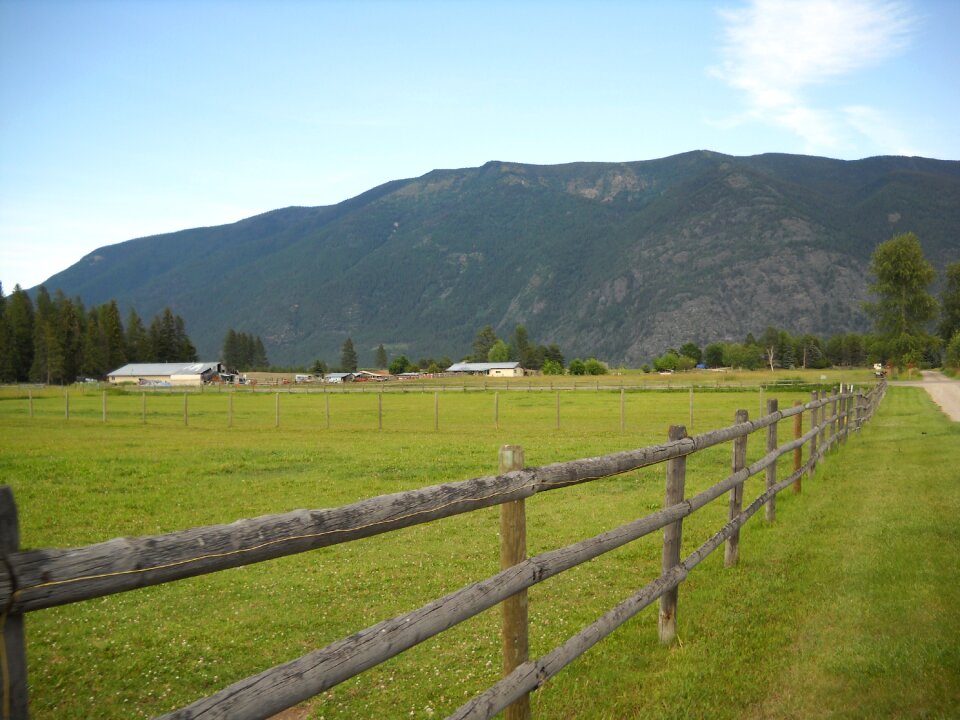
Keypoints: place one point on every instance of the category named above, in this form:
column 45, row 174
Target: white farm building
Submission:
column 491, row 369
column 166, row 373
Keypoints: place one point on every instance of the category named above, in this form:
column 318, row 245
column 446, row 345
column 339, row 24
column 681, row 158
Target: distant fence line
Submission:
column 539, row 383
column 144, row 411
column 37, row 579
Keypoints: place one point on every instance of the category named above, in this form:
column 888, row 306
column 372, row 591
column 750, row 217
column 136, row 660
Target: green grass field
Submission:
column 845, row 607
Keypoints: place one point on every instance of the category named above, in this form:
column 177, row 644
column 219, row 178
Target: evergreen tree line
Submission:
column 244, row 352
column 57, row 340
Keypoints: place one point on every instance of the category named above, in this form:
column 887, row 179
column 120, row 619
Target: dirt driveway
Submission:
column 944, row 391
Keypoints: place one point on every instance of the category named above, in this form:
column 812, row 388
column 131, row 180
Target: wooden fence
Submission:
column 36, row 579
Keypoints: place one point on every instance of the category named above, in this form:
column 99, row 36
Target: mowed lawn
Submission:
column 847, row 606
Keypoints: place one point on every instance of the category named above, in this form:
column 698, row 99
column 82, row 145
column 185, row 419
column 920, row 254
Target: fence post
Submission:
column 814, row 423
column 771, row 510
column 66, row 405
column 103, row 403
column 822, row 435
column 798, row 451
column 513, row 550
column 672, row 534
column 731, row 554
column 13, row 689
column 277, row 421
column 30, row 401
column 841, row 416
column 143, row 407
column 847, row 412
column 623, row 416
column 326, row 397
column 860, row 405
column 833, row 416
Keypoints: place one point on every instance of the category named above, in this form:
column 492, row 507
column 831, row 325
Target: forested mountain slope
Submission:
column 616, row 260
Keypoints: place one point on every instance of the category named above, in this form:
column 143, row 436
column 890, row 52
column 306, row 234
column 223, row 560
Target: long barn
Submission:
column 196, row 373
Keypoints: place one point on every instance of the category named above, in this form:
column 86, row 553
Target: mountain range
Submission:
column 613, row 260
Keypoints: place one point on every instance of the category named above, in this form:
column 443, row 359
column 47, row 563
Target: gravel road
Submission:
column 944, row 391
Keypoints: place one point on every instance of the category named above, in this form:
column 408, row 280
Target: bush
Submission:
column 399, row 365
column 595, row 367
column 577, row 367
column 667, row 361
column 552, row 367
column 685, row 362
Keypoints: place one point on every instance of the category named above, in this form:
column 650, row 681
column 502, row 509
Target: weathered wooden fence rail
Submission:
column 37, row 579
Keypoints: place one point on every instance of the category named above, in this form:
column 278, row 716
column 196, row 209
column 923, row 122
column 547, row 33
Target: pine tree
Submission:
column 115, row 345
column 161, row 337
column 348, row 357
column 43, row 338
column 70, row 324
column 8, row 372
column 94, row 356
column 380, row 360
column 260, row 355
column 21, row 318
column 186, row 352
column 231, row 350
column 137, row 341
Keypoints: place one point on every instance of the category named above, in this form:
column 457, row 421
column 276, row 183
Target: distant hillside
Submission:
column 617, row 260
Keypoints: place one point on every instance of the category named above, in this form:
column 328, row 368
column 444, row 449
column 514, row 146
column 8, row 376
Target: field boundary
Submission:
column 37, row 579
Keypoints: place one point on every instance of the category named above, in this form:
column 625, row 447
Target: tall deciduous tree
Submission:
column 904, row 307
column 485, row 340
column 500, row 352
column 950, row 303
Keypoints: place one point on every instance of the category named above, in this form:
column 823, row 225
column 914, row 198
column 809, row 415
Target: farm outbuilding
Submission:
column 492, row 369
column 196, row 373
column 338, row 377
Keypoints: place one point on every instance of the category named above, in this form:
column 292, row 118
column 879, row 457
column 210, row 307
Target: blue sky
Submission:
column 122, row 119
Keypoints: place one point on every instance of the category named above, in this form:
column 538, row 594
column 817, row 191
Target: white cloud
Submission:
column 877, row 127
column 775, row 50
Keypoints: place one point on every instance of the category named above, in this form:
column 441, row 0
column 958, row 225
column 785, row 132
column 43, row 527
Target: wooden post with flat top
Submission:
column 672, row 535
column 798, row 451
column 13, row 689
column 513, row 550
column 771, row 510
column 731, row 553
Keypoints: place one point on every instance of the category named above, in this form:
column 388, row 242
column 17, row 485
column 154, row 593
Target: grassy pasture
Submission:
column 743, row 631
